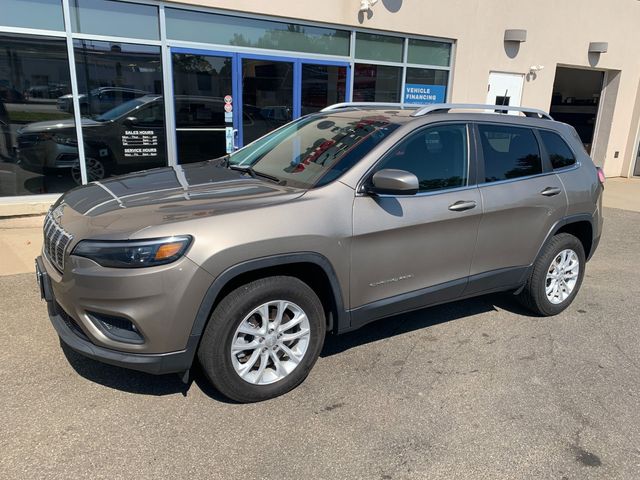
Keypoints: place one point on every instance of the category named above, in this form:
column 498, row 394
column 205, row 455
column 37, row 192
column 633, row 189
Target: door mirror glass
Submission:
column 394, row 182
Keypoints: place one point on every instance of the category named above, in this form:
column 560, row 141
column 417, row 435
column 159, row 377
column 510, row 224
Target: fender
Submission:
column 343, row 318
column 581, row 217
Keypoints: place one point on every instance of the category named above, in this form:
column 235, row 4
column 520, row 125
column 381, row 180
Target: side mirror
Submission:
column 393, row 182
column 130, row 120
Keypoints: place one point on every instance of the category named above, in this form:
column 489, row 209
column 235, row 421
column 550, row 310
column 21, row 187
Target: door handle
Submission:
column 550, row 191
column 462, row 206
column 235, row 139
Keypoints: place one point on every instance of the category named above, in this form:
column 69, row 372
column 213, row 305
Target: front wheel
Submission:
column 556, row 276
column 263, row 339
column 96, row 170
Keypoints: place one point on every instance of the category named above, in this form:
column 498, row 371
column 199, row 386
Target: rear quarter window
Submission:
column 559, row 152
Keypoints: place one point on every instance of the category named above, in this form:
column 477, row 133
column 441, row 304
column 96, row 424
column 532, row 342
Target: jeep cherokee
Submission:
column 335, row 220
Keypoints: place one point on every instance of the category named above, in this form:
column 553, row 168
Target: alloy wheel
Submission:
column 270, row 342
column 562, row 276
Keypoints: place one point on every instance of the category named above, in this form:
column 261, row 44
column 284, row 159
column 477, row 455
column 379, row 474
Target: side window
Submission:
column 438, row 156
column 559, row 152
column 150, row 116
column 509, row 152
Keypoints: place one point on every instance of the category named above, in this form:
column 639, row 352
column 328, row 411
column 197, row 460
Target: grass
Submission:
column 30, row 117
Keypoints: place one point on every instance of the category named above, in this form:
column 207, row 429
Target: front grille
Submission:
column 56, row 241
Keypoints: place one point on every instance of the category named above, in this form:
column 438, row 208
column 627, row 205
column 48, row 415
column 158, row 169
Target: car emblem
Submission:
column 56, row 213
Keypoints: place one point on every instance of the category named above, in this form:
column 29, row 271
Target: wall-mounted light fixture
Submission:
column 515, row 35
column 534, row 69
column 598, row 47
column 365, row 5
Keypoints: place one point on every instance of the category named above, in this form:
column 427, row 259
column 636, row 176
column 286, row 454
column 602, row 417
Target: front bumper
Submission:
column 76, row 333
column 174, row 362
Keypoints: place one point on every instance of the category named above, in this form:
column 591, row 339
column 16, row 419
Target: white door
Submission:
column 505, row 89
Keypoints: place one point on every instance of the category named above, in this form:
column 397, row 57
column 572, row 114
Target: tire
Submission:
column 534, row 295
column 238, row 309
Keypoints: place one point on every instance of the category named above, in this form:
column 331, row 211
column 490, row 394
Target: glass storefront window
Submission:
column 426, row 85
column 249, row 32
column 108, row 17
column 122, row 108
column 45, row 14
column 200, row 83
column 371, row 46
column 427, row 52
column 376, row 83
column 267, row 96
column 322, row 85
column 34, row 74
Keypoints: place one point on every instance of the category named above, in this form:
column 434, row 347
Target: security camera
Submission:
column 536, row 68
column 365, row 5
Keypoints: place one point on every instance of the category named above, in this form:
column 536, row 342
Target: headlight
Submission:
column 133, row 253
column 62, row 140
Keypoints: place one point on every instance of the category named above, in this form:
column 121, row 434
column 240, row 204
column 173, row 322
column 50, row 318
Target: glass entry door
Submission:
column 217, row 94
column 203, row 101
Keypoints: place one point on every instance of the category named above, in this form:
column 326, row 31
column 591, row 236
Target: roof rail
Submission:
column 445, row 107
column 338, row 106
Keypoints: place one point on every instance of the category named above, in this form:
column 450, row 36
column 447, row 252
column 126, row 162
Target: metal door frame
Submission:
column 297, row 81
column 236, row 82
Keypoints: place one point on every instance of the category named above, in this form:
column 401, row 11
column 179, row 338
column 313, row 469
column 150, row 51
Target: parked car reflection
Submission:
column 126, row 138
column 100, row 100
column 132, row 137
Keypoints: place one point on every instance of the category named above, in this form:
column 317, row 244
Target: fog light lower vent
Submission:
column 116, row 328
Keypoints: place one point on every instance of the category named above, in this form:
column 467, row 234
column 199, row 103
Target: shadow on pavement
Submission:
column 419, row 319
column 139, row 383
column 146, row 384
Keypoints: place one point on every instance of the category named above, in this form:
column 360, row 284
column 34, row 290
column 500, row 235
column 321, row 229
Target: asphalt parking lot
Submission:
column 474, row 389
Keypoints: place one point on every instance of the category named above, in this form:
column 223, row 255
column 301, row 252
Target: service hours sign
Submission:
column 140, row 143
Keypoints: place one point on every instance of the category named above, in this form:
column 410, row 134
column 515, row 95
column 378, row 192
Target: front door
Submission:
column 267, row 96
column 416, row 248
column 505, row 89
column 276, row 90
column 203, row 100
column 225, row 100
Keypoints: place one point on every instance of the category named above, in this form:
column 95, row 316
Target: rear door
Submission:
column 416, row 248
column 522, row 200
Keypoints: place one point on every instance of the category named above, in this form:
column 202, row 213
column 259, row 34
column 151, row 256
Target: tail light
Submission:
column 601, row 176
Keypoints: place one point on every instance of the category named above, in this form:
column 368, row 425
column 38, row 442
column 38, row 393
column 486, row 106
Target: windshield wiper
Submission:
column 249, row 169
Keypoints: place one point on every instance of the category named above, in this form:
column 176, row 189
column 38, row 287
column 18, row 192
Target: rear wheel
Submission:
column 556, row 276
column 263, row 339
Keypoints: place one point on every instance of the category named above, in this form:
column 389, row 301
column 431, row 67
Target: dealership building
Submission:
column 93, row 88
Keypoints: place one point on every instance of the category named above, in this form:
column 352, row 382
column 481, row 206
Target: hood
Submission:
column 121, row 206
column 49, row 125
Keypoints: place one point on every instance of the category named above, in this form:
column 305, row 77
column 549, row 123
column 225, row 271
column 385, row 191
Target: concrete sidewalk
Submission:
column 20, row 244
column 21, row 238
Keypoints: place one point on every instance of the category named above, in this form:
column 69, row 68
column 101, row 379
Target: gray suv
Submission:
column 338, row 219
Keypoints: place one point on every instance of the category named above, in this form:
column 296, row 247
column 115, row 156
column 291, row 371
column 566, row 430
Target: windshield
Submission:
column 314, row 150
column 120, row 110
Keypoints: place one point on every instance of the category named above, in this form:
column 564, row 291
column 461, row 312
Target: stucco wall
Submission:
column 559, row 32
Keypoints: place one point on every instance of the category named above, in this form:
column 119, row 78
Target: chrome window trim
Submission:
column 517, row 179
column 422, row 194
